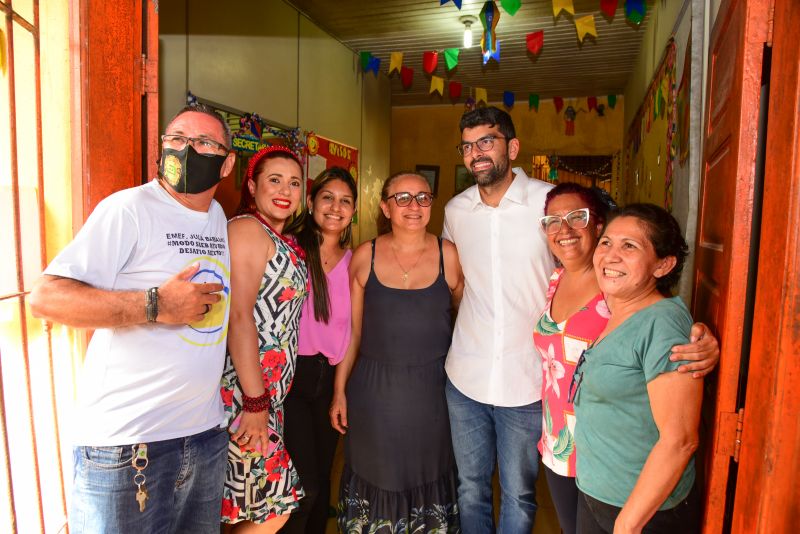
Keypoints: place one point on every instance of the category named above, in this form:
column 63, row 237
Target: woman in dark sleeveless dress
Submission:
column 399, row 473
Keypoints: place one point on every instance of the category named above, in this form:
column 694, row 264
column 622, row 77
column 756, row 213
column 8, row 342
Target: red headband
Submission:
column 261, row 154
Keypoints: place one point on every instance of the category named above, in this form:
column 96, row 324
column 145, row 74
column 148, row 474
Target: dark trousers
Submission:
column 564, row 493
column 310, row 441
column 595, row 517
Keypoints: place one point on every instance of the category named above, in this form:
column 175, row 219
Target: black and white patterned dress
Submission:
column 260, row 486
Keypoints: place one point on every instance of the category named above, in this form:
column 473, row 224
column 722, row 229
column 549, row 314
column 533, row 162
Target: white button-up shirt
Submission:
column 506, row 265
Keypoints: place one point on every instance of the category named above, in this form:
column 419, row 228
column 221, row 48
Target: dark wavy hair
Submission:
column 309, row 236
column 597, row 207
column 489, row 116
column 664, row 234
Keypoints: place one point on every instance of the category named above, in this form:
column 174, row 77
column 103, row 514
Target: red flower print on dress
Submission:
column 287, row 294
column 227, row 396
column 229, row 510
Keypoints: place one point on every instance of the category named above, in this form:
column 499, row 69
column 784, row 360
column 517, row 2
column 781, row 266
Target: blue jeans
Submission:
column 482, row 435
column 184, row 480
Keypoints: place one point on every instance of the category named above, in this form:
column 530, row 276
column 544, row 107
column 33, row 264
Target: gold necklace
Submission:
column 406, row 271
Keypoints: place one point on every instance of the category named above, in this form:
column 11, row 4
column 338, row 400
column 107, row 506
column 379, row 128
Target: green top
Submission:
column 615, row 430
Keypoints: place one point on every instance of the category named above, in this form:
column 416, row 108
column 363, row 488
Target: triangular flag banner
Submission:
column 559, row 5
column 456, row 2
column 591, row 102
column 609, row 7
column 533, row 101
column 489, row 16
column 612, row 101
column 480, row 95
column 492, row 55
column 429, row 61
column 395, row 61
column 535, row 41
column 374, row 65
column 437, row 84
column 454, row 90
column 365, row 60
column 585, row 26
column 406, row 76
column 635, row 10
column 508, row 99
column 451, row 58
column 558, row 102
column 511, row 6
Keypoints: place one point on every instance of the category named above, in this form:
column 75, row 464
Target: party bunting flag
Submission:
column 511, row 6
column 591, row 102
column 558, row 102
column 490, row 46
column 585, row 26
column 454, row 90
column 406, row 76
column 565, row 5
column 533, row 101
column 612, row 101
column 492, row 55
column 609, row 7
column 456, row 2
column 635, row 10
column 535, row 41
column 429, row 61
column 365, row 60
column 508, row 99
column 437, row 84
column 480, row 95
column 395, row 61
column 451, row 57
column 374, row 65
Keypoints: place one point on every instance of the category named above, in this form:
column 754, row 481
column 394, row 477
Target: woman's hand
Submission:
column 249, row 431
column 338, row 413
column 703, row 351
column 621, row 528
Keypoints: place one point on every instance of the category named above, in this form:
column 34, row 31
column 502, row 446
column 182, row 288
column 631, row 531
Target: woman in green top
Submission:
column 637, row 417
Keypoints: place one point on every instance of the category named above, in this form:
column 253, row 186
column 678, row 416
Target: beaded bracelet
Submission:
column 255, row 404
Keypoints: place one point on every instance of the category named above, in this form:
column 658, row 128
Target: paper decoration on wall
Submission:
column 553, row 174
column 374, row 65
column 406, row 76
column 365, row 56
column 429, row 61
column 469, row 104
column 395, row 61
column 508, row 99
column 324, row 153
column 437, row 84
column 533, row 101
column 585, row 26
column 480, row 95
column 569, row 119
column 490, row 46
column 591, row 102
column 635, row 10
column 191, row 100
column 612, row 101
column 609, row 7
column 456, row 2
column 454, row 90
column 558, row 102
column 562, row 5
column 601, row 110
column 511, row 6
column 535, row 41
column 451, row 58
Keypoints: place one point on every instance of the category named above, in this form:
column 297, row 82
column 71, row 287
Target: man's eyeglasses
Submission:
column 577, row 219
column 484, row 144
column 201, row 144
column 404, row 198
column 577, row 378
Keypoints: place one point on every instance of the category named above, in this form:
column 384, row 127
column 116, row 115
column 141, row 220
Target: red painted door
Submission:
column 723, row 242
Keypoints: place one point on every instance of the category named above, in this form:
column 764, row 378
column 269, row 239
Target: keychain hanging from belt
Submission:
column 139, row 462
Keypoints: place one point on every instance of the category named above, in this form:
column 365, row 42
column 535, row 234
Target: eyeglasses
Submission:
column 577, row 378
column 576, row 219
column 201, row 144
column 484, row 144
column 404, row 198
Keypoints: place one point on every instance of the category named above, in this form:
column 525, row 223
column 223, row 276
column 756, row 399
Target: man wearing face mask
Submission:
column 149, row 271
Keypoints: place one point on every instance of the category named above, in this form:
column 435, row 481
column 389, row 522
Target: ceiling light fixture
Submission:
column 468, row 21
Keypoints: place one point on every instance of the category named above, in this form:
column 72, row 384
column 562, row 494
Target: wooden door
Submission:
column 116, row 98
column 722, row 261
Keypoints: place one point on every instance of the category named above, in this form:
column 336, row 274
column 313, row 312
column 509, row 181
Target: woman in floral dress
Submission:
column 268, row 284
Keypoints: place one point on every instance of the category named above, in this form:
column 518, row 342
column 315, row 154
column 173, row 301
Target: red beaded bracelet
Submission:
column 255, row 404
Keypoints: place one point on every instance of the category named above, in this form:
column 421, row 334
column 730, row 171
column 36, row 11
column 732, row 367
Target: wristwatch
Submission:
column 151, row 304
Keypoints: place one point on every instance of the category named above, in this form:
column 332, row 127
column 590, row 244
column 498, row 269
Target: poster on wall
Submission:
column 324, row 153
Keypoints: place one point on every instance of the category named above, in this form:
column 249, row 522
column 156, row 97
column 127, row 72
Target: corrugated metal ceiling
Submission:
column 564, row 67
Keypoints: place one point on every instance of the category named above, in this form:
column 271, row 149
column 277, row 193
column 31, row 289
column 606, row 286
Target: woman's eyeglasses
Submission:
column 576, row 219
column 577, row 378
column 404, row 198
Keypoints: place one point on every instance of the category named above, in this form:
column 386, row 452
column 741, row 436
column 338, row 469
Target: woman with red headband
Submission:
column 268, row 287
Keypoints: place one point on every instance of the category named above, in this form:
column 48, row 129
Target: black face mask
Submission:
column 188, row 171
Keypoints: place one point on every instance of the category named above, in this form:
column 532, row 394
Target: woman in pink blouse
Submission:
column 324, row 232
column 575, row 314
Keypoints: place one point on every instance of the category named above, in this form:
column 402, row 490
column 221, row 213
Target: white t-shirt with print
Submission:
column 149, row 382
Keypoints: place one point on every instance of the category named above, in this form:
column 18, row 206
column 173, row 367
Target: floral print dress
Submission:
column 560, row 346
column 259, row 487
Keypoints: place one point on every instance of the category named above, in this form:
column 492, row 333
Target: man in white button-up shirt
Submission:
column 494, row 374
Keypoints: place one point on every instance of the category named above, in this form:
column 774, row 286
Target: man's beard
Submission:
column 493, row 174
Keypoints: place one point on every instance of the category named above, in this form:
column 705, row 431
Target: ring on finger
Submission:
column 208, row 309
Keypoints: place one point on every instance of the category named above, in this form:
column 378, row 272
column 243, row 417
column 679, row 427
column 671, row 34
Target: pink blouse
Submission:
column 560, row 345
column 330, row 339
